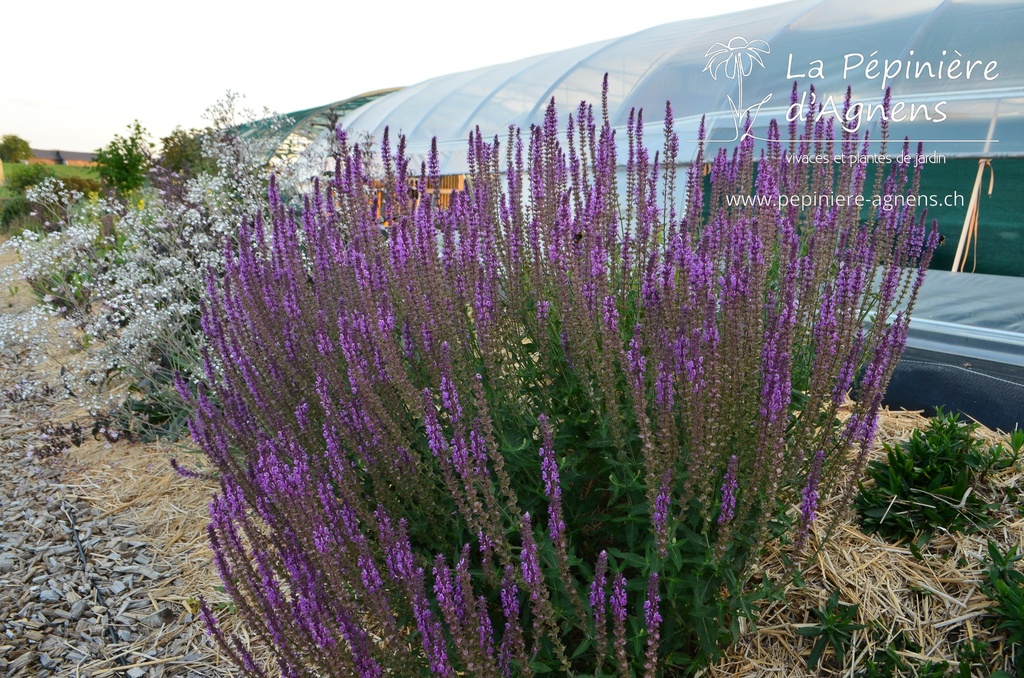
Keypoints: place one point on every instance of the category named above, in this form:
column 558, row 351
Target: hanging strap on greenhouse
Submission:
column 969, row 233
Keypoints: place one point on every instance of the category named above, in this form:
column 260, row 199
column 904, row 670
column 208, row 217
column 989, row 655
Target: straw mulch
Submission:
column 935, row 603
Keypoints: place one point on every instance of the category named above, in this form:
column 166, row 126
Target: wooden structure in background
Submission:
column 73, row 158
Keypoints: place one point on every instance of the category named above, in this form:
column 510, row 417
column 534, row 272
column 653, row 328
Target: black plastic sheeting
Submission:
column 965, row 350
column 989, row 392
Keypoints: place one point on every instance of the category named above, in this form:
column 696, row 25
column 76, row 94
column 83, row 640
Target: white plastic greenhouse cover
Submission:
column 956, row 67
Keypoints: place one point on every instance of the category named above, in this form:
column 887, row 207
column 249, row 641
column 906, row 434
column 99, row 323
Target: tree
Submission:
column 182, row 153
column 14, row 149
column 123, row 163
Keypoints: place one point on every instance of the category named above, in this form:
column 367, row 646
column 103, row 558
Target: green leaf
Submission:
column 583, row 647
column 630, row 558
column 675, row 555
column 815, row 657
column 810, row 631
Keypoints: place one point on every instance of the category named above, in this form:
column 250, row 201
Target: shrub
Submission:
column 930, row 482
column 20, row 178
column 16, row 212
column 131, row 275
column 12, row 210
column 83, row 185
column 130, row 272
column 550, row 427
column 68, row 255
column 182, row 152
column 184, row 155
column 123, row 163
column 14, row 149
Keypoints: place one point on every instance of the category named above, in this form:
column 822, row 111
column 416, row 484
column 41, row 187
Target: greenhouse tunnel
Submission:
column 956, row 73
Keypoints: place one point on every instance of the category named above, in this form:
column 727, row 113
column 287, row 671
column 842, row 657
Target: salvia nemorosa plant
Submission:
column 551, row 426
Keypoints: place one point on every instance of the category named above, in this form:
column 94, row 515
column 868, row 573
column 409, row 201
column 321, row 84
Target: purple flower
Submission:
column 509, row 596
column 302, row 415
column 186, row 472
column 436, row 438
column 611, row 315
column 809, row 498
column 512, row 641
column 449, row 394
column 618, row 605
column 597, row 587
column 543, row 308
column 598, row 605
column 618, row 602
column 729, row 488
column 552, row 489
column 397, row 551
column 659, row 518
column 529, row 562
column 444, row 589
column 635, row 358
column 652, row 621
column 664, row 389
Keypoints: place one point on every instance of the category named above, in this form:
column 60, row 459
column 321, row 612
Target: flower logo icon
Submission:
column 737, row 59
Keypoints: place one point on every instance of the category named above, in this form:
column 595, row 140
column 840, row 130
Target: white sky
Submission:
column 76, row 73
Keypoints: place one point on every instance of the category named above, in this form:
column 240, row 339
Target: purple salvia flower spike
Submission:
column 730, row 486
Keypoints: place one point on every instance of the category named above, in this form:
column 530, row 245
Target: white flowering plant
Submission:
column 129, row 271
